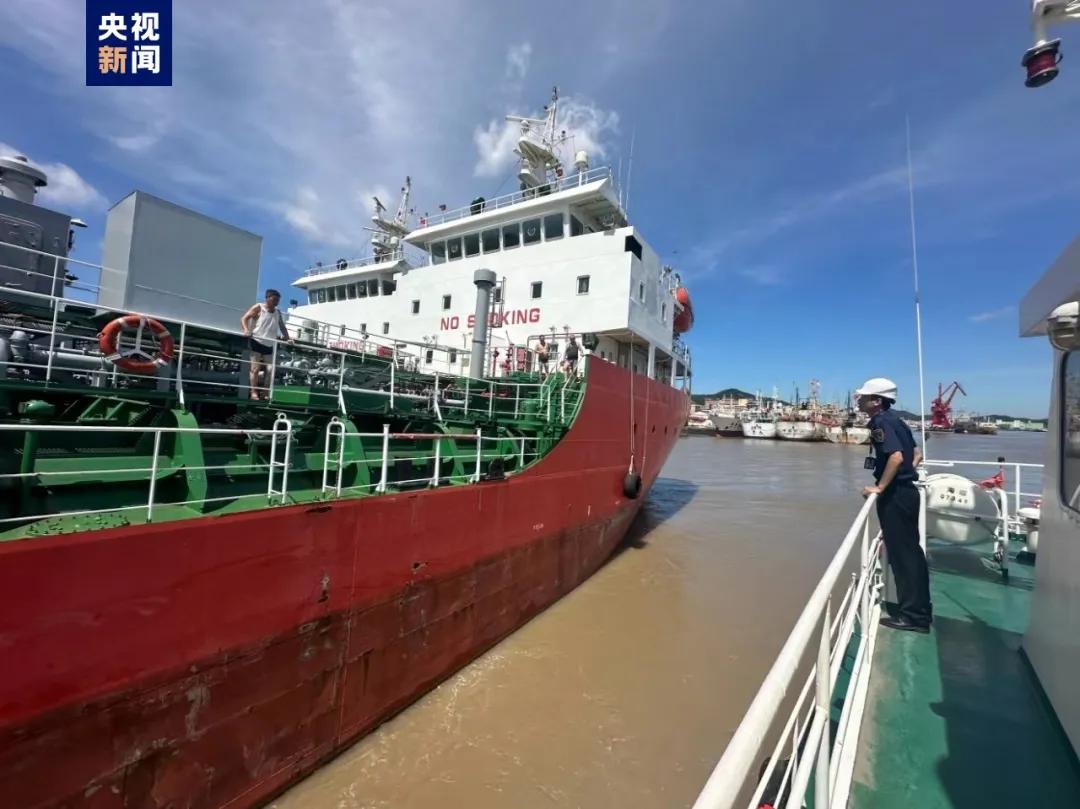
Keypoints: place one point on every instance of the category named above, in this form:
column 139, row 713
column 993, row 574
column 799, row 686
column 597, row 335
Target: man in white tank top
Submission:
column 263, row 324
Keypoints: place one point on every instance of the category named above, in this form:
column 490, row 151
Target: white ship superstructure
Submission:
column 566, row 262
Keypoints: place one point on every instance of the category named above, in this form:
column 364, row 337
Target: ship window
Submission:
column 663, row 316
column 453, row 248
column 530, row 231
column 553, row 227
column 445, row 302
column 385, row 328
column 363, row 329
column 351, row 289
column 576, row 228
column 498, row 295
column 583, row 285
column 361, row 289
column 641, row 291
column 490, row 239
column 633, row 246
column 472, row 244
column 452, row 358
column 438, row 252
column 430, row 354
column 511, row 236
column 331, row 294
column 537, row 289
column 389, row 287
column 1070, row 429
column 416, row 307
column 373, row 288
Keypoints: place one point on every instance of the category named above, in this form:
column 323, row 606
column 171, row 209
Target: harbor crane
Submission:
column 1041, row 59
column 941, row 407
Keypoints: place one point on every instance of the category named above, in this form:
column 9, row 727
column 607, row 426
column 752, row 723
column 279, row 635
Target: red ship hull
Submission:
column 211, row 663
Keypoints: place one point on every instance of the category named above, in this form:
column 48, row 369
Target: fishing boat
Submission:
column 727, row 420
column 699, row 422
column 800, row 427
column 849, row 428
column 219, row 567
column 759, row 425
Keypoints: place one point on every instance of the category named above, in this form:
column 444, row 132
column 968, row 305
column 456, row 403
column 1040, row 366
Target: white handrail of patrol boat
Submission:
column 808, row 737
column 514, row 198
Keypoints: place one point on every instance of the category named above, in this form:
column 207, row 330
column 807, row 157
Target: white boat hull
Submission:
column 848, row 435
column 727, row 424
column 759, row 429
column 800, row 430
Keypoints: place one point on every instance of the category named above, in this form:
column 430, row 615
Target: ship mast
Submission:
column 536, row 146
column 388, row 232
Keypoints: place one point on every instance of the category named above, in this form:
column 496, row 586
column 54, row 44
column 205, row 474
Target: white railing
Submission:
column 277, row 488
column 805, row 737
column 57, row 346
column 334, row 463
column 517, row 197
column 277, row 466
column 341, row 265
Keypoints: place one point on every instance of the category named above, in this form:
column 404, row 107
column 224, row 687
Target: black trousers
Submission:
column 898, row 513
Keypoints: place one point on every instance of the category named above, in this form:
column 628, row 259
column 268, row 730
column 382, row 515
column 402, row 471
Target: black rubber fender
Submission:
column 631, row 485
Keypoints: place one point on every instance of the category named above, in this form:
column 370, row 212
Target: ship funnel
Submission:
column 20, row 179
column 484, row 280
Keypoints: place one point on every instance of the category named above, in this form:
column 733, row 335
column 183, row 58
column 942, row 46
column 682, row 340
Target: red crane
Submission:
column 941, row 407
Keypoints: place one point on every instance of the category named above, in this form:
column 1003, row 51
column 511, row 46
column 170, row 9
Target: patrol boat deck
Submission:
column 956, row 718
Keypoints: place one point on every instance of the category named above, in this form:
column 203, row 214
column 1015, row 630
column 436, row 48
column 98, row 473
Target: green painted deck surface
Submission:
column 955, row 718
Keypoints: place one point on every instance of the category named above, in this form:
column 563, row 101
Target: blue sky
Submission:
column 768, row 162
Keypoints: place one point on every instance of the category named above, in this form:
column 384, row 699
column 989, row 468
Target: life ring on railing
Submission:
column 136, row 359
column 631, row 485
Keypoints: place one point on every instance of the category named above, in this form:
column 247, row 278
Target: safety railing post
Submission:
column 864, row 595
column 272, row 372
column 476, row 472
column 922, row 518
column 562, row 403
column 393, row 371
column 385, row 457
column 491, row 398
column 466, row 396
column 52, row 340
column 180, row 365
column 288, row 459
column 153, row 476
column 1016, row 499
column 438, row 463
column 823, row 692
column 517, row 398
column 341, row 386
column 522, row 452
column 548, row 389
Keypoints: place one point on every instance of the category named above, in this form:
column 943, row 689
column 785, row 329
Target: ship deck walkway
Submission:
column 956, row 718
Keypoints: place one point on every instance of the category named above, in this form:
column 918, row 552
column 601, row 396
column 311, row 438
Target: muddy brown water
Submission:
column 625, row 692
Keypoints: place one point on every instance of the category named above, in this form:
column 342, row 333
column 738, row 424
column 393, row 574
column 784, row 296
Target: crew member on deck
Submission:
column 894, row 461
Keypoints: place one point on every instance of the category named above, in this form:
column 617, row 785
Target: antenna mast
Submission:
column 915, row 267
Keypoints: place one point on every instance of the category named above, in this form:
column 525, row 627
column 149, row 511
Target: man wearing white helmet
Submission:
column 894, row 462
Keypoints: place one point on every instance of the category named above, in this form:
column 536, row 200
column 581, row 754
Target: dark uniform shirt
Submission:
column 889, row 434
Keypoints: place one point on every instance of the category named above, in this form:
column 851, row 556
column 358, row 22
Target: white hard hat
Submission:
column 878, row 386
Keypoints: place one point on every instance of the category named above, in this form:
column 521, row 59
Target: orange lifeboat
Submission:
column 684, row 318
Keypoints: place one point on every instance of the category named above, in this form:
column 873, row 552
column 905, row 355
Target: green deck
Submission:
column 956, row 718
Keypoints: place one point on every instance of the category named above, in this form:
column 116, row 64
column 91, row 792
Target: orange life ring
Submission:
column 136, row 359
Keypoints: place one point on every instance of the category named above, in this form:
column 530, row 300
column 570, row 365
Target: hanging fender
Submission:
column 137, row 360
column 631, row 485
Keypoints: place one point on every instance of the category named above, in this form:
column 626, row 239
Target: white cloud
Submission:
column 135, row 143
column 589, row 127
column 993, row 314
column 517, row 61
column 495, row 147
column 66, row 189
